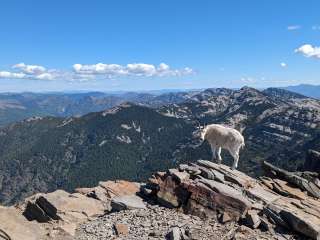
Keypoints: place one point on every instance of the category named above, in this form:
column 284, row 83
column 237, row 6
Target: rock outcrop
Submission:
column 195, row 201
column 58, row 214
column 287, row 200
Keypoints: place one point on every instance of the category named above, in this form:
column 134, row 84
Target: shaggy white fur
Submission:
column 219, row 136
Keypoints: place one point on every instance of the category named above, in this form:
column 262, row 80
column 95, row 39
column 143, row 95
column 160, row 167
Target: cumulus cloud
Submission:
column 99, row 68
column 5, row 74
column 293, row 27
column 141, row 69
column 45, row 76
column 86, row 72
column 283, row 64
column 29, row 69
column 31, row 72
column 309, row 51
column 131, row 69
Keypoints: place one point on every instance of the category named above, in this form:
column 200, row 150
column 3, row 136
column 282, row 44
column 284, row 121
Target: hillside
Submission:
column 131, row 141
column 19, row 106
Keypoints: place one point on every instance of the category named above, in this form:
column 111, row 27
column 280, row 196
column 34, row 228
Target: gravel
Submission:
column 156, row 222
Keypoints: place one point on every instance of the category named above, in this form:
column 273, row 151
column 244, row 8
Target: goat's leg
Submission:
column 219, row 155
column 213, row 150
column 235, row 156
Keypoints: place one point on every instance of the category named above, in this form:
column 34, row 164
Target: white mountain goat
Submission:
column 219, row 136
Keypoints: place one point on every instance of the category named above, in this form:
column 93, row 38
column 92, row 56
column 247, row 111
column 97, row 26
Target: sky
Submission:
column 100, row 45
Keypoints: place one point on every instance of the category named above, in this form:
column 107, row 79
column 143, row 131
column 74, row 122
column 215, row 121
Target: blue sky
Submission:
column 138, row 45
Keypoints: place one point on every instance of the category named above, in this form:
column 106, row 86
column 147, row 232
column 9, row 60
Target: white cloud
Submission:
column 248, row 79
column 45, row 76
column 83, row 72
column 309, row 51
column 131, row 69
column 141, row 69
column 283, row 64
column 31, row 72
column 29, row 69
column 163, row 67
column 5, row 74
column 293, row 27
column 99, row 68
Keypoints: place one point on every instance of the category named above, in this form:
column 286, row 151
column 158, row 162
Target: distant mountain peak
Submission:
column 306, row 89
column 283, row 93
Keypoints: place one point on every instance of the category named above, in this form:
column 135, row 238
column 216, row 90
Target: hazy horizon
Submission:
column 156, row 91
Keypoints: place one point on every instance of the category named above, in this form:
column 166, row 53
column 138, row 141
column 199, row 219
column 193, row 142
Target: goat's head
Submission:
column 203, row 133
column 199, row 133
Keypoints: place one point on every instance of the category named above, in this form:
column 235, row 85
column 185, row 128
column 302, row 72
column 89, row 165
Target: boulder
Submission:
column 305, row 224
column 171, row 194
column 302, row 217
column 60, row 205
column 98, row 193
column 218, row 197
column 119, row 188
column 127, row 203
column 15, row 226
column 180, row 176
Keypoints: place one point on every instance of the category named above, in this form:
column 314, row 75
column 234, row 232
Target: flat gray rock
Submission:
column 128, row 202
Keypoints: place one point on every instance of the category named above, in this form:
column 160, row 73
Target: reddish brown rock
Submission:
column 217, row 197
column 121, row 229
column 171, row 193
column 119, row 188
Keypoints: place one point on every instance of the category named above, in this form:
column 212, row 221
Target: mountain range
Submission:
column 130, row 140
column 19, row 106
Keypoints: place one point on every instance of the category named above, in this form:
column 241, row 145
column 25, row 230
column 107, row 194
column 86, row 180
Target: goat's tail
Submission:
column 242, row 146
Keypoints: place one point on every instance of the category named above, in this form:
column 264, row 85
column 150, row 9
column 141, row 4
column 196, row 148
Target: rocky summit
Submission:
column 201, row 200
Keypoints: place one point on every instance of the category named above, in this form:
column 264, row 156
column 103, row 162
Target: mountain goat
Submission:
column 219, row 136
